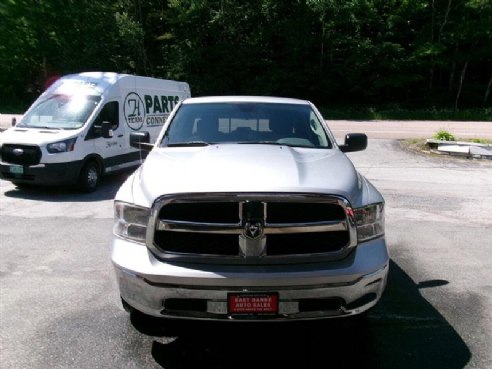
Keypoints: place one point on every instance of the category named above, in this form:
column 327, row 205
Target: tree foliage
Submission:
column 419, row 53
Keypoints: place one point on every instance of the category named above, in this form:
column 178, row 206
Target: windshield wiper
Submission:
column 257, row 143
column 46, row 127
column 188, row 143
column 274, row 143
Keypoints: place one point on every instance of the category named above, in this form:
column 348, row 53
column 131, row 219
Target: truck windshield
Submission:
column 246, row 123
column 60, row 112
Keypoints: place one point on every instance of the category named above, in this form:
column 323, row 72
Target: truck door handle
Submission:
column 120, row 135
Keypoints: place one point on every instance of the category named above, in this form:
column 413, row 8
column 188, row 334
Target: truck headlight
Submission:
column 130, row 221
column 370, row 221
column 61, row 146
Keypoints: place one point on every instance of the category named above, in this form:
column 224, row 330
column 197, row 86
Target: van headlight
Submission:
column 130, row 221
column 370, row 221
column 61, row 146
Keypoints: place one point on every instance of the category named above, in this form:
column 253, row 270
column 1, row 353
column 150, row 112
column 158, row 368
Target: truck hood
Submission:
column 35, row 136
column 244, row 168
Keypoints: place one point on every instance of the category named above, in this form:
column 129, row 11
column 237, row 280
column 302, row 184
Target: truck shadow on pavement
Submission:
column 403, row 331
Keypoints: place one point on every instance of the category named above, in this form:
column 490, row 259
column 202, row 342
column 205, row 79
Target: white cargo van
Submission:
column 78, row 129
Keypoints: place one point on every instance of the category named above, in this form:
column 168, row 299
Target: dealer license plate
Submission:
column 16, row 169
column 242, row 303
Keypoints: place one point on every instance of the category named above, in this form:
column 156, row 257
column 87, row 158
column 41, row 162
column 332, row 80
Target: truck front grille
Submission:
column 251, row 227
column 21, row 154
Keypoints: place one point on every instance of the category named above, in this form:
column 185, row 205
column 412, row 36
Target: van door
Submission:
column 112, row 150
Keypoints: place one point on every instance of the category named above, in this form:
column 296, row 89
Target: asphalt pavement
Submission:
column 59, row 303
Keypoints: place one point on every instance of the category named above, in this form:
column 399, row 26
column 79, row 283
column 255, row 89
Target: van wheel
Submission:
column 89, row 177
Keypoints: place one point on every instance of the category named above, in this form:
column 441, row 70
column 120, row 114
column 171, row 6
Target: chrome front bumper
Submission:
column 338, row 288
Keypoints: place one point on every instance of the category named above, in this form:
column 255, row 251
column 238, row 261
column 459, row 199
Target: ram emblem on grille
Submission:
column 253, row 230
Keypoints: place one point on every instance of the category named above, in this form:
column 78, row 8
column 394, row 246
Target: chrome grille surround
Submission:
column 235, row 236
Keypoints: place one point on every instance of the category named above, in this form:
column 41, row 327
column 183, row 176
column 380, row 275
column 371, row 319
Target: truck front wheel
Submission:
column 89, row 177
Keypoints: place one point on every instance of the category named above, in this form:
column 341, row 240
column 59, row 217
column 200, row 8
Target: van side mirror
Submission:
column 106, row 129
column 141, row 141
column 354, row 142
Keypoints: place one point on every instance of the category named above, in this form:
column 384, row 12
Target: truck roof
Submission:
column 256, row 99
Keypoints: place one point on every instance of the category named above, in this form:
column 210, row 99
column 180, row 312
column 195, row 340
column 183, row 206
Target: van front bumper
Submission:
column 42, row 174
column 200, row 291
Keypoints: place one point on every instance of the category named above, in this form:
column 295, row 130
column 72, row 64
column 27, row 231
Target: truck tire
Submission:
column 126, row 306
column 153, row 326
column 89, row 177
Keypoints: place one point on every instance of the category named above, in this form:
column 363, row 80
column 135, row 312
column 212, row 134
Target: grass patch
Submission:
column 419, row 145
column 443, row 135
column 484, row 141
column 415, row 144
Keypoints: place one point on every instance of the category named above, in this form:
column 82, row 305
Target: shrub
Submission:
column 444, row 135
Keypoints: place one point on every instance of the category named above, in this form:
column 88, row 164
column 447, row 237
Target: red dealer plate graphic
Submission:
column 239, row 303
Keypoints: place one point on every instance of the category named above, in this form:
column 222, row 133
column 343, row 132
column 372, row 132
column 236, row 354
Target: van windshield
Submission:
column 60, row 112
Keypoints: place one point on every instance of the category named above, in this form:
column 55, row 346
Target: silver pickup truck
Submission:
column 246, row 208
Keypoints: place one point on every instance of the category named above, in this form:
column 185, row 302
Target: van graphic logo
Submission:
column 134, row 111
column 17, row 152
column 151, row 110
column 253, row 230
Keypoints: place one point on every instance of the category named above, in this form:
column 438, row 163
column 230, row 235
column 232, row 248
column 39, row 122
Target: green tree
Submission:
column 408, row 52
column 40, row 39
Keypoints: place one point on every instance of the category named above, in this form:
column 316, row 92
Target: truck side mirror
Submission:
column 106, row 129
column 354, row 142
column 141, row 140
